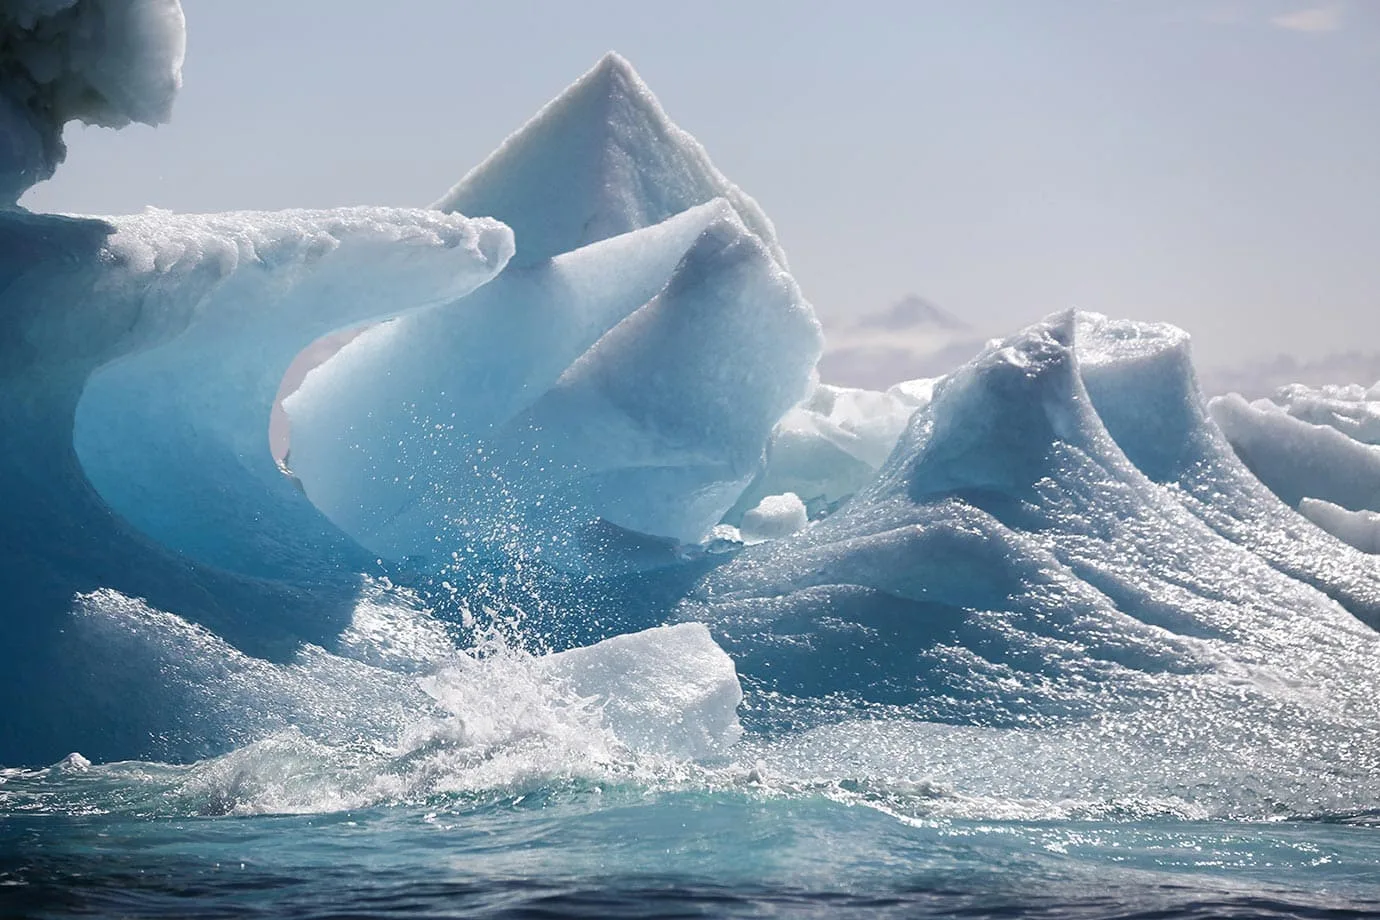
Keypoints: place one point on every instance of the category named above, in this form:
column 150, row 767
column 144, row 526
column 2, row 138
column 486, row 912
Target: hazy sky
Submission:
column 1211, row 163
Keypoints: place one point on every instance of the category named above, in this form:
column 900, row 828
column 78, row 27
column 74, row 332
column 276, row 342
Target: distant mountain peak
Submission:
column 912, row 312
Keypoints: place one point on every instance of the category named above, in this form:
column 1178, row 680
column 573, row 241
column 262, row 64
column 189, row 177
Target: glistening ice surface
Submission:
column 578, row 593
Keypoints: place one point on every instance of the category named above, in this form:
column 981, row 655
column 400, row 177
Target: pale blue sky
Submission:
column 1210, row 163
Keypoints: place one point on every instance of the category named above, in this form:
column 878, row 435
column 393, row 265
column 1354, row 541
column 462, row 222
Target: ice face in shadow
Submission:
column 140, row 360
column 601, row 159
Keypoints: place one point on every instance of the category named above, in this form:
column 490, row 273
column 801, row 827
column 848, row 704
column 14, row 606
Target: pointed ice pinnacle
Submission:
column 599, row 160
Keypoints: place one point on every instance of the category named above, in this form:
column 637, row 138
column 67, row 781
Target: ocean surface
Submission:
column 583, row 850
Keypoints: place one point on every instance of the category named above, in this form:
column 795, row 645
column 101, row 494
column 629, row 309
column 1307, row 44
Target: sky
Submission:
column 1210, row 163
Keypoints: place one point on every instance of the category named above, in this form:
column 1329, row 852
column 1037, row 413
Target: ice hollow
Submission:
column 173, row 434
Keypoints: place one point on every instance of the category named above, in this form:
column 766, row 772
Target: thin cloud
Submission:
column 1316, row 19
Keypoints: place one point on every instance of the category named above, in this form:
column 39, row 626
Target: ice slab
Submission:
column 439, row 716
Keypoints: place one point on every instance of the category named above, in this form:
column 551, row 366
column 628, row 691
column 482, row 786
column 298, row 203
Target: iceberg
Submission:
column 102, row 62
column 572, row 501
column 621, row 376
column 1037, row 541
column 573, row 548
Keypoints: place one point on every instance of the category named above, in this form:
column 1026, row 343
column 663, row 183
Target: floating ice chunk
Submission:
column 103, row 62
column 773, row 517
column 72, row 763
column 667, row 690
column 600, row 160
column 1361, row 529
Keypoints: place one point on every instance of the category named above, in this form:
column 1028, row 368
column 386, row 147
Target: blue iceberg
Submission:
column 570, row 520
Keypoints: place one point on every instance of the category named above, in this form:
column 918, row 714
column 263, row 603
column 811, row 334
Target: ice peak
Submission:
column 612, row 70
column 599, row 160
